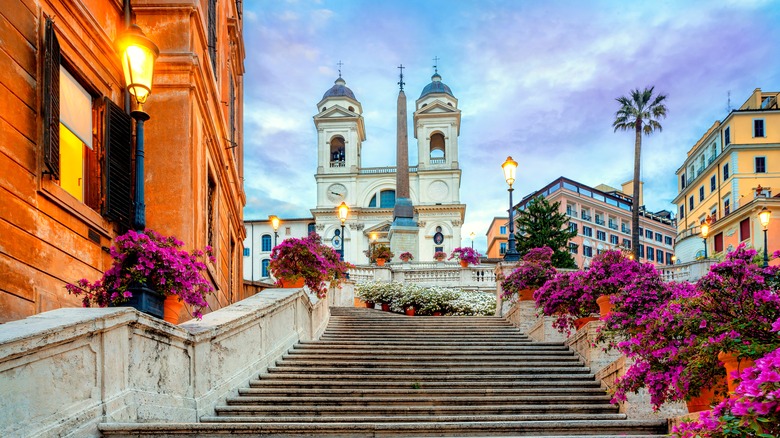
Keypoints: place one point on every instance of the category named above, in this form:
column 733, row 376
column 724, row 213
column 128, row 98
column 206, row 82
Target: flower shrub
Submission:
column 383, row 252
column 439, row 255
column 319, row 265
column 149, row 259
column 406, row 256
column 754, row 410
column 532, row 273
column 566, row 297
column 467, row 254
column 427, row 300
column 473, row 304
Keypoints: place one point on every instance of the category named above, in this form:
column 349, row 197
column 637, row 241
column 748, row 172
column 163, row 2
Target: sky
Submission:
column 536, row 80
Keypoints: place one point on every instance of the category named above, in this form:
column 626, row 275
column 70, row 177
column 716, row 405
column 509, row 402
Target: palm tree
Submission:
column 640, row 112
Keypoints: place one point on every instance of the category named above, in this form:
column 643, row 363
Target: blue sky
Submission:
column 535, row 80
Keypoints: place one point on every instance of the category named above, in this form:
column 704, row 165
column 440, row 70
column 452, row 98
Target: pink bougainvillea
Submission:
column 317, row 264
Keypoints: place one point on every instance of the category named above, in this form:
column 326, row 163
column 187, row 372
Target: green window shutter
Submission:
column 119, row 164
column 51, row 101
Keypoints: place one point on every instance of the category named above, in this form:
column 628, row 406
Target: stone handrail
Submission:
column 477, row 277
column 689, row 271
column 62, row 372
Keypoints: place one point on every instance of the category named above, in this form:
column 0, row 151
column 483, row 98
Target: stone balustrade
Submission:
column 689, row 271
column 480, row 277
column 62, row 372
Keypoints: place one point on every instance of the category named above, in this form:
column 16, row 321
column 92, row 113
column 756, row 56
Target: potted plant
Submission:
column 466, row 255
column 535, row 269
column 147, row 270
column 439, row 256
column 297, row 262
column 382, row 254
column 406, row 257
column 410, row 299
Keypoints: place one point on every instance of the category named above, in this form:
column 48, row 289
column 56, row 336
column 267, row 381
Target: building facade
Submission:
column 601, row 216
column 729, row 175
column 66, row 145
column 261, row 238
column 497, row 238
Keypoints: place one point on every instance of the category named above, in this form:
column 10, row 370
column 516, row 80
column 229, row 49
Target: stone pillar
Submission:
column 404, row 233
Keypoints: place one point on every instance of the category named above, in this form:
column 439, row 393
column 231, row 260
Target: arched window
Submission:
column 386, row 199
column 312, row 228
column 266, row 242
column 337, row 155
column 437, row 148
column 264, row 267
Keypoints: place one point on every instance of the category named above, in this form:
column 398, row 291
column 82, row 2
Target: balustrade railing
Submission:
column 449, row 274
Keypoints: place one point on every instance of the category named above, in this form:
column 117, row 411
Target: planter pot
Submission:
column 146, row 300
column 380, row 262
column 605, row 306
column 705, row 400
column 526, row 295
column 292, row 284
column 173, row 306
column 370, row 304
column 386, row 307
column 409, row 311
column 464, row 264
column 580, row 322
column 732, row 363
column 436, row 313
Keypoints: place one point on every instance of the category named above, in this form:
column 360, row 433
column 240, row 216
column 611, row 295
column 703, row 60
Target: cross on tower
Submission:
column 339, row 64
column 436, row 64
column 401, row 82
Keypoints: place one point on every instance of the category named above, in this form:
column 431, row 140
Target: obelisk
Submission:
column 403, row 232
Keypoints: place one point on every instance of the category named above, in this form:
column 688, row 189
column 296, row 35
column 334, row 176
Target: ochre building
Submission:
column 66, row 142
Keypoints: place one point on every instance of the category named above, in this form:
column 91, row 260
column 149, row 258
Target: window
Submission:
column 601, row 235
column 337, row 151
column 727, row 136
column 650, row 253
column 726, row 206
column 701, row 193
column 690, row 202
column 212, row 17
column 659, row 256
column 573, row 248
column 501, row 248
column 627, row 243
column 587, row 231
column 87, row 147
column 386, row 199
column 669, row 258
column 667, row 240
column 760, row 164
column 437, row 148
column 641, row 251
column 713, row 183
column 682, row 211
column 613, row 239
column 744, row 229
column 599, row 219
column 502, row 230
column 311, row 228
column 718, row 242
column 287, row 231
column 266, row 243
column 758, row 128
column 659, row 237
column 587, row 251
column 641, row 231
column 264, row 268
column 232, row 113
column 649, row 234
column 211, row 194
column 725, row 171
column 572, row 226
column 247, row 252
column 682, row 181
column 613, row 223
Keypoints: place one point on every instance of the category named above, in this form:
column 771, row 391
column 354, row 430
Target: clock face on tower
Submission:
column 337, row 193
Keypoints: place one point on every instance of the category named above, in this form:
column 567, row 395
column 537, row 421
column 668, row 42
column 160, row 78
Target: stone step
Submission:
column 427, row 343
column 415, row 401
column 406, row 418
column 308, row 383
column 413, row 379
column 553, row 428
column 400, row 372
column 360, row 348
column 438, row 357
column 422, row 391
column 407, row 333
column 427, row 364
column 416, row 410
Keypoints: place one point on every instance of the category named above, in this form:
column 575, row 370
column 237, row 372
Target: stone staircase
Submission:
column 379, row 374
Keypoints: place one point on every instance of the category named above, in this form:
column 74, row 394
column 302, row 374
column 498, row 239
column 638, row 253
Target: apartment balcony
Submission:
column 587, row 217
column 613, row 226
column 625, row 229
column 572, row 213
column 599, row 221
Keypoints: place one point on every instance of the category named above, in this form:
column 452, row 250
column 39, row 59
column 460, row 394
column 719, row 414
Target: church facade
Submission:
column 370, row 192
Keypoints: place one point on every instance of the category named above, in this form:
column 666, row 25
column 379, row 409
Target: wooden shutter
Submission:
column 744, row 229
column 119, row 164
column 51, row 101
column 719, row 242
column 212, row 30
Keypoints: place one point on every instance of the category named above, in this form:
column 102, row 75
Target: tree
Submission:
column 542, row 224
column 640, row 112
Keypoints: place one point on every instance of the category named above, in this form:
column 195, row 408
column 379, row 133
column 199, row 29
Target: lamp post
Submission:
column 674, row 259
column 343, row 210
column 371, row 247
column 138, row 54
column 510, row 167
column 705, row 231
column 472, row 235
column 275, row 223
column 764, row 217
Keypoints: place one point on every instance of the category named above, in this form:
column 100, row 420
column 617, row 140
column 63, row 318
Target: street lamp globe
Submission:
column 138, row 54
column 275, row 222
column 764, row 217
column 343, row 212
column 510, row 168
column 705, row 230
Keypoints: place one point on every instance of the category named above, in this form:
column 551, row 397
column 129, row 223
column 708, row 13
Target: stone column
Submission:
column 404, row 233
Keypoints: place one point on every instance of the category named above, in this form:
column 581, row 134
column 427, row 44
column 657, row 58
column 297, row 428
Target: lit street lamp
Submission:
column 138, row 54
column 510, row 167
column 764, row 217
column 275, row 224
column 705, row 231
column 343, row 210
column 371, row 247
column 472, row 235
column 674, row 259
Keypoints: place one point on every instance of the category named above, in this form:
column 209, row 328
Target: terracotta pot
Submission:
column 732, row 363
column 386, row 307
column 436, row 313
column 526, row 295
column 292, row 284
column 172, row 308
column 370, row 304
column 705, row 400
column 380, row 262
column 580, row 322
column 409, row 311
column 464, row 264
column 605, row 306
column 357, row 302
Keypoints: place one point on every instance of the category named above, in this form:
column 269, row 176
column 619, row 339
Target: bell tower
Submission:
column 437, row 126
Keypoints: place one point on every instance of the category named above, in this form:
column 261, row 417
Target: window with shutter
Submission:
column 118, row 139
column 232, row 108
column 212, row 30
column 51, row 101
column 744, row 229
column 719, row 242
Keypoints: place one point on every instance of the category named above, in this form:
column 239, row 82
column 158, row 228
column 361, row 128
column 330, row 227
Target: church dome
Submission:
column 436, row 86
column 339, row 89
